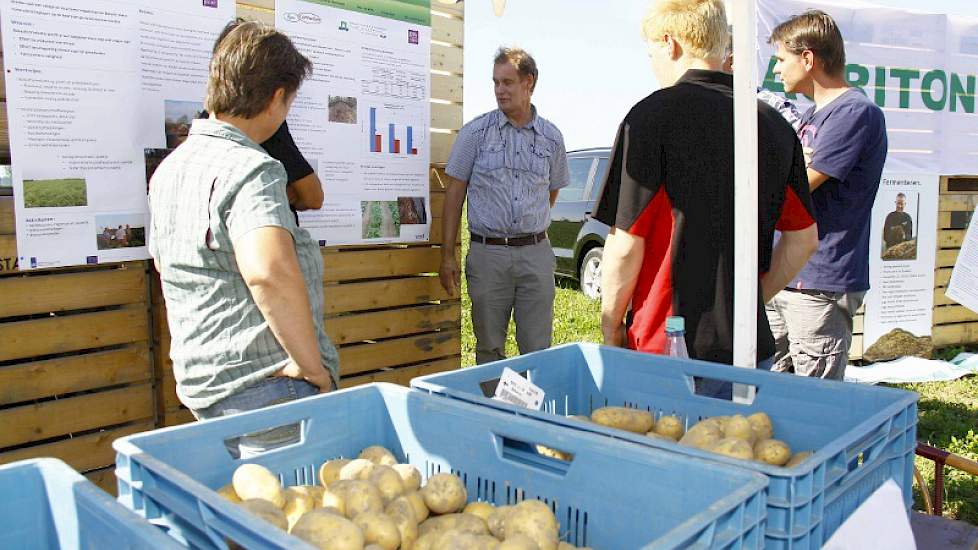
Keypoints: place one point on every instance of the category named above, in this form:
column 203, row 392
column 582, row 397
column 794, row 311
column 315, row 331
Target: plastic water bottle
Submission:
column 676, row 337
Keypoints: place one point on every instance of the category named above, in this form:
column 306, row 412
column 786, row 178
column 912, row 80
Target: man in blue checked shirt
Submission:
column 509, row 163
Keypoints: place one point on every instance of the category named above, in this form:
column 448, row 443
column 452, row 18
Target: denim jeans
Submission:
column 724, row 390
column 270, row 391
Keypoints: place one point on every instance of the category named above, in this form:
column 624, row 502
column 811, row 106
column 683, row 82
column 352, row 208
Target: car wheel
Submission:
column 590, row 275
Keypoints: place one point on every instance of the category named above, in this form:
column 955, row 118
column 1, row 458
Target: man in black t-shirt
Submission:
column 669, row 197
column 898, row 226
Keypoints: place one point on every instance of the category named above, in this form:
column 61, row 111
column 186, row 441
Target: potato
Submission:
column 420, row 509
column 297, row 503
column 267, row 511
column 256, row 481
column 455, row 540
column 428, row 540
column 373, row 547
column 328, row 531
column 388, row 482
column 335, row 497
column 798, row 458
column 762, row 426
column 444, row 493
column 738, row 427
column 734, row 448
column 361, row 496
column 410, row 476
column 568, row 546
column 702, row 436
column 358, row 468
column 402, row 514
column 329, row 472
column 481, row 509
column 534, row 519
column 378, row 455
column 228, row 492
column 654, row 435
column 632, row 420
column 465, row 523
column 518, row 542
column 497, row 521
column 554, row 453
column 314, row 491
column 378, row 529
column 772, row 451
column 714, row 423
column 670, row 427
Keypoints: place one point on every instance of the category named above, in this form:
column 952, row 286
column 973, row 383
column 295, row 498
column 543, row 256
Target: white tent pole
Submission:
column 745, row 189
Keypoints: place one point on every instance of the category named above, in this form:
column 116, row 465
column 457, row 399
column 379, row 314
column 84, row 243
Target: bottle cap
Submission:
column 675, row 324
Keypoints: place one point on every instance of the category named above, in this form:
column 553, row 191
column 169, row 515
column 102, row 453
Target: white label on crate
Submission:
column 516, row 390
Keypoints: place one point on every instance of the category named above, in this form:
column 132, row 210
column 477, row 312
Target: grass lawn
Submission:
column 948, row 410
column 55, row 193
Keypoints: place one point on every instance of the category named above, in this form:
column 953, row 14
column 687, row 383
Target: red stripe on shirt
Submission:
column 652, row 299
column 794, row 215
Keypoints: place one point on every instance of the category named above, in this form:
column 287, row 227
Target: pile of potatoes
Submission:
column 745, row 438
column 374, row 503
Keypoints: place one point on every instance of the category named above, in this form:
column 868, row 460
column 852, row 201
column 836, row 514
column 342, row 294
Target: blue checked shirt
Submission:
column 510, row 173
column 783, row 106
column 214, row 188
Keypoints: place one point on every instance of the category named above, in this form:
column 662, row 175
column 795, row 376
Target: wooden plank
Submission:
column 177, row 417
column 262, row 4
column 447, row 87
column 957, row 202
column 942, row 276
column 168, row 392
column 959, row 184
column 39, row 337
column 7, row 216
column 446, row 115
column 399, row 351
column 448, row 29
column 946, row 258
column 455, row 10
column 954, row 314
column 952, row 335
column 857, row 324
column 5, row 128
column 104, row 479
column 374, row 264
column 63, row 292
column 403, row 375
column 441, row 147
column 380, row 294
column 8, row 253
column 40, row 379
column 253, row 13
column 49, row 419
column 394, row 322
column 856, row 348
column 446, row 58
column 950, row 238
column 3, row 80
column 940, row 299
column 85, row 452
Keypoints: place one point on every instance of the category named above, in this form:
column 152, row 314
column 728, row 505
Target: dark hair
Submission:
column 251, row 62
column 227, row 29
column 817, row 32
column 901, row 195
column 520, row 60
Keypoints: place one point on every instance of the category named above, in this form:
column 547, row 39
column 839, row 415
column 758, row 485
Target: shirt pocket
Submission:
column 540, row 158
column 491, row 156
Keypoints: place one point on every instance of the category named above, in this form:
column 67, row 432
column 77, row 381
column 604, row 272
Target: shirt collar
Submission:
column 503, row 120
column 220, row 129
column 702, row 76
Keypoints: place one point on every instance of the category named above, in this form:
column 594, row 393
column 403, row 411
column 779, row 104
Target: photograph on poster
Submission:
column 55, row 193
column 153, row 158
column 120, row 230
column 343, row 109
column 412, row 210
column 381, row 219
column 899, row 240
column 178, row 116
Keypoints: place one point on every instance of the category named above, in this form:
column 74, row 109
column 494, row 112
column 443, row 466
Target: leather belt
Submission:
column 524, row 240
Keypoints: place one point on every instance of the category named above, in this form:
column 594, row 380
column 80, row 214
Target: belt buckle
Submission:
column 505, row 241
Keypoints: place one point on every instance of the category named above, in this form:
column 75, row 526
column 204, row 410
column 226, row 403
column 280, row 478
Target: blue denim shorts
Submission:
column 270, row 391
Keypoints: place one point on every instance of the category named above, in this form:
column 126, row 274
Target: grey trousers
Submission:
column 510, row 281
column 813, row 331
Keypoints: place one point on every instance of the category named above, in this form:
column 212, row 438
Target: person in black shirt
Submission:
column 898, row 226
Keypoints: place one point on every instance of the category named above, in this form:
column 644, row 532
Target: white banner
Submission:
column 89, row 90
column 362, row 120
column 920, row 70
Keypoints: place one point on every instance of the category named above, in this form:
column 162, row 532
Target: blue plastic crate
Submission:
column 611, row 496
column 47, row 505
column 861, row 435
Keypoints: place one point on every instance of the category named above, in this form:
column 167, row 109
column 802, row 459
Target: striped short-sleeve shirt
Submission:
column 214, row 188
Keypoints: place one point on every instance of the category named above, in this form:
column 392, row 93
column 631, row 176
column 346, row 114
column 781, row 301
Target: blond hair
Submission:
column 699, row 25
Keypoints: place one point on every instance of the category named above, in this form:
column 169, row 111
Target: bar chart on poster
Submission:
column 362, row 119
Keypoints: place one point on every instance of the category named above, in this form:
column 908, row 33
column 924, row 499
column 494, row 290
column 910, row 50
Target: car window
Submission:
column 599, row 175
column 580, row 169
